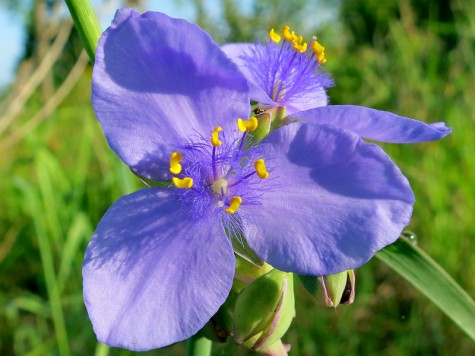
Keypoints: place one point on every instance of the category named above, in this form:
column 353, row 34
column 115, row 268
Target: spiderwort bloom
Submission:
column 285, row 73
column 310, row 199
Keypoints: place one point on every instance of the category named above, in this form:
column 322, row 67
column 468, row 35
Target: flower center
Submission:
column 220, row 173
column 220, row 186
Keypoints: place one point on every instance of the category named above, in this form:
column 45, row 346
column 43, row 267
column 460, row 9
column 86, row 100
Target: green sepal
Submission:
column 264, row 119
column 269, row 120
column 334, row 285
column 149, row 182
column 242, row 249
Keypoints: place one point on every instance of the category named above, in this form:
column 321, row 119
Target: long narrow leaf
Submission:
column 426, row 275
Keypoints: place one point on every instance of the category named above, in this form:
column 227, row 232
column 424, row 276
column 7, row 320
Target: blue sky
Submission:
column 12, row 36
column 11, row 40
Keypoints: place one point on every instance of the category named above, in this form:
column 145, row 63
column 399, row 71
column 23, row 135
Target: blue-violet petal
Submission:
column 340, row 201
column 152, row 275
column 156, row 82
column 375, row 124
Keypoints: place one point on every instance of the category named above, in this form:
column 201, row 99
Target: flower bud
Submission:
column 278, row 348
column 247, row 272
column 264, row 310
column 332, row 290
column 220, row 325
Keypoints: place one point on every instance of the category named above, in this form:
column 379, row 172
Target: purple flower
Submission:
column 278, row 75
column 310, row 199
column 288, row 74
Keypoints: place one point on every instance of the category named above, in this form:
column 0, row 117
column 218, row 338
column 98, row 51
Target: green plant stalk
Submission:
column 33, row 204
column 101, row 350
column 426, row 275
column 86, row 23
column 198, row 345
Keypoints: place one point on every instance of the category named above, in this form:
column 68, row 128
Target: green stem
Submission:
column 34, row 206
column 198, row 346
column 86, row 23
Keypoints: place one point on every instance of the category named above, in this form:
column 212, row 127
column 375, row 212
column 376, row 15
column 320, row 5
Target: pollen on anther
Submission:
column 275, row 37
column 319, row 51
column 298, row 39
column 300, row 47
column 289, row 36
column 234, row 204
column 261, row 169
column 247, row 125
column 175, row 166
column 215, row 141
column 183, row 183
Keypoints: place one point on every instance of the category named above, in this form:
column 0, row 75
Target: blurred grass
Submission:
column 59, row 180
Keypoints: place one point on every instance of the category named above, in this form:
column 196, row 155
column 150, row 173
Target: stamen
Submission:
column 213, row 163
column 289, row 36
column 234, row 205
column 261, row 169
column 300, row 47
column 319, row 51
column 186, row 182
column 274, row 37
column 215, row 141
column 175, row 166
column 247, row 125
column 247, row 176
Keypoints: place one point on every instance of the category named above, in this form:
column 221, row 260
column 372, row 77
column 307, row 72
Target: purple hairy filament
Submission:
column 218, row 175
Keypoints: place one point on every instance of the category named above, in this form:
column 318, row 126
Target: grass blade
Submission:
column 426, row 275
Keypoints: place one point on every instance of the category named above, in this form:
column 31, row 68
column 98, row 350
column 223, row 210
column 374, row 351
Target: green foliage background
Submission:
column 413, row 57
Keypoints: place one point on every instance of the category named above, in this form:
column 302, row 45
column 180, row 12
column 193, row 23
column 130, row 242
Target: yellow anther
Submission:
column 247, row 125
column 186, row 182
column 234, row 205
column 275, row 37
column 175, row 159
column 319, row 51
column 300, row 47
column 289, row 36
column 261, row 169
column 296, row 40
column 215, row 141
